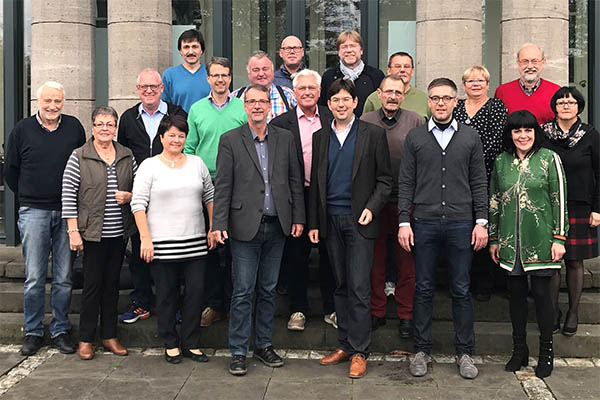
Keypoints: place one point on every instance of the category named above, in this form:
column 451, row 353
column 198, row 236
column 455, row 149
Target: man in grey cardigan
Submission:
column 443, row 174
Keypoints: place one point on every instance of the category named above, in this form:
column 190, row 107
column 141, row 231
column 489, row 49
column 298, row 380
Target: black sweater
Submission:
column 582, row 167
column 366, row 83
column 36, row 159
column 132, row 133
column 445, row 184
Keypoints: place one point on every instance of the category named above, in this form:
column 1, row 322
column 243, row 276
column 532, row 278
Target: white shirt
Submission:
column 343, row 134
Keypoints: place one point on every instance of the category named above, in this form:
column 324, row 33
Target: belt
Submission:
column 269, row 219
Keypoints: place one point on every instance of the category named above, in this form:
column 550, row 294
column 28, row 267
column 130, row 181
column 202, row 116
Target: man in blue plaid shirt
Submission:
column 261, row 71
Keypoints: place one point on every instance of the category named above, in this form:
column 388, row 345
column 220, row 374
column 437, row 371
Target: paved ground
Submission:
column 145, row 375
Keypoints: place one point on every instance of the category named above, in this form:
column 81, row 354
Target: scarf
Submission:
column 565, row 139
column 352, row 74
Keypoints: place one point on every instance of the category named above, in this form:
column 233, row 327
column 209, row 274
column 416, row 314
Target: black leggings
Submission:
column 544, row 310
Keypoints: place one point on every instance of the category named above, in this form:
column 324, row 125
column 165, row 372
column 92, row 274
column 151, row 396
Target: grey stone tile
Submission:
column 565, row 382
column 292, row 390
column 65, row 366
column 491, row 376
column 8, row 361
column 393, row 374
column 383, row 392
column 44, row 388
column 310, row 371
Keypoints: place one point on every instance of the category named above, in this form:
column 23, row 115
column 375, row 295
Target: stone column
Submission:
column 63, row 50
column 139, row 37
column 448, row 39
column 542, row 22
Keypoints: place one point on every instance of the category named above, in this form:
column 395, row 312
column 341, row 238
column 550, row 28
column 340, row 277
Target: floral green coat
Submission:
column 537, row 186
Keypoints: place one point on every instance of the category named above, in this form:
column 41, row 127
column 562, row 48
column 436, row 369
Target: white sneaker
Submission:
column 331, row 319
column 389, row 289
column 296, row 322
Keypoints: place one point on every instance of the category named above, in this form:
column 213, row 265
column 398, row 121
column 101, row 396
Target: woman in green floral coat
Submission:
column 528, row 228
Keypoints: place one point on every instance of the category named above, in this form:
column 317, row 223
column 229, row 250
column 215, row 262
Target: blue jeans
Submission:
column 454, row 238
column 42, row 231
column 255, row 264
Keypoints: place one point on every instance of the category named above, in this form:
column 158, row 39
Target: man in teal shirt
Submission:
column 402, row 64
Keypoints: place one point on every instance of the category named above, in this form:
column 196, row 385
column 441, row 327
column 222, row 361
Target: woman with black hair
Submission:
column 578, row 146
column 528, row 227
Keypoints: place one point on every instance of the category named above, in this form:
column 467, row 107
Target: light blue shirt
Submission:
column 183, row 87
column 442, row 137
column 151, row 122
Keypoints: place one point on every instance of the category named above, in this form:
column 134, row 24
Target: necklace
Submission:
column 171, row 161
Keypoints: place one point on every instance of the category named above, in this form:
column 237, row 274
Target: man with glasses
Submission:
column 397, row 123
column 351, row 67
column 209, row 118
column 186, row 83
column 530, row 92
column 261, row 72
column 137, row 130
column 303, row 121
column 258, row 202
column 402, row 64
column 442, row 175
column 292, row 53
column 36, row 154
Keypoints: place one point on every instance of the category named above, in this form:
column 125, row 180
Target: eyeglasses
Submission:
column 108, row 125
column 471, row 82
column 445, row 99
column 289, row 49
column 262, row 102
column 154, row 88
column 219, row 76
column 534, row 61
column 569, row 103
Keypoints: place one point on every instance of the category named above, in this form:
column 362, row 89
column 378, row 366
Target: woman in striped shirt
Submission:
column 96, row 192
column 169, row 192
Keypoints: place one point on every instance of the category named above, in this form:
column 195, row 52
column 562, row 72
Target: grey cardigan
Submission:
column 445, row 184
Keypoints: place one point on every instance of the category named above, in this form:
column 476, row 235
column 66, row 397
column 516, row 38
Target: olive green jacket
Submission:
column 536, row 187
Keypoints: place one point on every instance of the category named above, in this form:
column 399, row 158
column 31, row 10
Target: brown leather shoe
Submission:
column 209, row 316
column 115, row 347
column 336, row 357
column 358, row 366
column 86, row 351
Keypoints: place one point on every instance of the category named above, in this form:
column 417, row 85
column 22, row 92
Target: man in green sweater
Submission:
column 402, row 64
column 208, row 119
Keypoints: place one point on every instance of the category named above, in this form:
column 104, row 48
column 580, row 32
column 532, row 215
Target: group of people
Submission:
column 223, row 194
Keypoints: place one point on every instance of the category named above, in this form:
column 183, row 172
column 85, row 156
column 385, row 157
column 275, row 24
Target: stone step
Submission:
column 495, row 310
column 492, row 338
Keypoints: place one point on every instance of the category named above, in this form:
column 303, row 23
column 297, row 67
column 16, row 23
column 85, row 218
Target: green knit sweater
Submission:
column 536, row 187
column 207, row 124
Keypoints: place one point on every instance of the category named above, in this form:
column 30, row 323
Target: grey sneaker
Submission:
column 466, row 367
column 296, row 322
column 418, row 364
column 331, row 319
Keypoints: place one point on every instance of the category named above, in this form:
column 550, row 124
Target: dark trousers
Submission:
column 141, row 276
column 544, row 309
column 101, row 271
column 351, row 256
column 218, row 278
column 453, row 237
column 167, row 283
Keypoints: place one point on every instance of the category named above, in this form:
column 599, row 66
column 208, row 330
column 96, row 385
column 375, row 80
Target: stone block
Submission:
column 452, row 9
column 2, row 267
column 154, row 11
column 75, row 11
column 538, row 9
column 579, row 362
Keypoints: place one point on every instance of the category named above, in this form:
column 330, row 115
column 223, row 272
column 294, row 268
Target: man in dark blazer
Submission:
column 303, row 121
column 258, row 202
column 351, row 182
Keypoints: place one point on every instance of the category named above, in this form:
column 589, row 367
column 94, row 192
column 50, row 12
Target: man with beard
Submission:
column 291, row 52
column 397, row 123
column 365, row 77
column 530, row 92
column 186, row 83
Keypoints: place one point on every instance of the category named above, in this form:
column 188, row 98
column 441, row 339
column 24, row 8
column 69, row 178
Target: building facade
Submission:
column 96, row 48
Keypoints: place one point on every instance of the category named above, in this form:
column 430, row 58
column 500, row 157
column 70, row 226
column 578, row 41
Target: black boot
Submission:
column 520, row 356
column 545, row 360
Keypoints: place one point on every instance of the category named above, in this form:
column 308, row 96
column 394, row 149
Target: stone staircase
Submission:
column 492, row 326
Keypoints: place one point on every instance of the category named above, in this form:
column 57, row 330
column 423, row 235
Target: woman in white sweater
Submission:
column 168, row 194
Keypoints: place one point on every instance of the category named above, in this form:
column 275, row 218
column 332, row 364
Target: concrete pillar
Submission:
column 543, row 22
column 448, row 39
column 63, row 50
column 139, row 36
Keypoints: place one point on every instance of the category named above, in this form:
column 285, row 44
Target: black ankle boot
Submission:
column 520, row 356
column 545, row 360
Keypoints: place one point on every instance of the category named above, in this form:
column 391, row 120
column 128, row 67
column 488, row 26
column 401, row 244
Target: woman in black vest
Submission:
column 96, row 192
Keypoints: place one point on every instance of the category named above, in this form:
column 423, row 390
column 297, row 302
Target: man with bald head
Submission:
column 530, row 92
column 292, row 53
column 36, row 154
column 137, row 130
